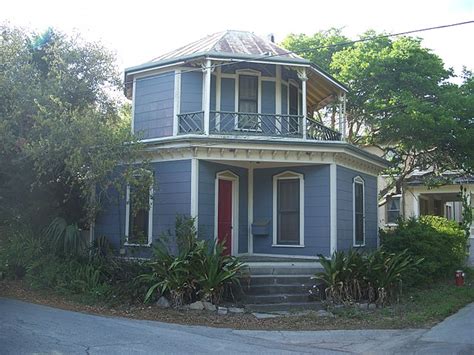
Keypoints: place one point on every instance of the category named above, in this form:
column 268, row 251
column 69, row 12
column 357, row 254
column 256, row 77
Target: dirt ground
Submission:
column 19, row 290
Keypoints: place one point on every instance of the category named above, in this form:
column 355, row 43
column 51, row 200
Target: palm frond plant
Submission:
column 64, row 238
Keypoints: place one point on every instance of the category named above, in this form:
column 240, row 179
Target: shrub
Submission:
column 441, row 244
column 64, row 238
column 375, row 277
column 198, row 271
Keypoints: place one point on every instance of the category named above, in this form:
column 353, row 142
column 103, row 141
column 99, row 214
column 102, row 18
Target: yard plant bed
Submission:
column 417, row 309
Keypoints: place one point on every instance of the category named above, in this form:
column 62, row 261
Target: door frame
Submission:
column 230, row 176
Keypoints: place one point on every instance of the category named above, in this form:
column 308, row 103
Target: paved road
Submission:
column 28, row 328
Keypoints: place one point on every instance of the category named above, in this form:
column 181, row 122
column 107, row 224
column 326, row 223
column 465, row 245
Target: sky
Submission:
column 140, row 30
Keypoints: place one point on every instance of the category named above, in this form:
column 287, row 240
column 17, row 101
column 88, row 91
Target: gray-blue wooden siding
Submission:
column 171, row 197
column 345, row 215
column 206, row 204
column 316, row 210
column 154, row 101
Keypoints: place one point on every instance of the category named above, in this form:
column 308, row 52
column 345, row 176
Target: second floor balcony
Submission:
column 255, row 124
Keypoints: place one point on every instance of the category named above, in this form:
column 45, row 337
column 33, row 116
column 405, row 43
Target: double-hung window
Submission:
column 139, row 218
column 288, row 209
column 393, row 209
column 359, row 211
column 248, row 102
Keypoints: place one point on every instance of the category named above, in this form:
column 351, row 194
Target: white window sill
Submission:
column 137, row 245
column 287, row 246
column 391, row 224
column 358, row 245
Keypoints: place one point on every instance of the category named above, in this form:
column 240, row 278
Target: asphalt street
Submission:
column 27, row 328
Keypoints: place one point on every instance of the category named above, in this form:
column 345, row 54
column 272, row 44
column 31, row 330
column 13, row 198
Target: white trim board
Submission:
column 358, row 180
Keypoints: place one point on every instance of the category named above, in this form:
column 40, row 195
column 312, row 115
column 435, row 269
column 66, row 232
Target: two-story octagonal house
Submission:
column 229, row 119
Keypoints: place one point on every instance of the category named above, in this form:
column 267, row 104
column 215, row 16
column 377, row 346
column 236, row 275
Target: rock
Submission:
column 163, row 302
column 208, row 306
column 366, row 306
column 222, row 311
column 197, row 306
column 265, row 315
column 323, row 313
column 236, row 310
column 363, row 306
column 372, row 306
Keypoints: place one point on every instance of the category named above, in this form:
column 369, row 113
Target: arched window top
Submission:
column 288, row 175
column 358, row 180
column 227, row 174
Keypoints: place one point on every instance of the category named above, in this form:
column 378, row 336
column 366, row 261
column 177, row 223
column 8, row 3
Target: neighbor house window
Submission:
column 393, row 209
column 248, row 102
column 138, row 219
column 359, row 211
column 288, row 209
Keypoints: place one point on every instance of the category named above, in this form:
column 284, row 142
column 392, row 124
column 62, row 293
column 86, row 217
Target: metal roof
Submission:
column 231, row 42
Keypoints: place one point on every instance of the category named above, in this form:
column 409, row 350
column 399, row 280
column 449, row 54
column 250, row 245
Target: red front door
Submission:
column 224, row 215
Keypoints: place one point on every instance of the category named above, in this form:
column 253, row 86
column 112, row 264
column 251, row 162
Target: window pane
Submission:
column 138, row 225
column 392, row 216
column 288, row 210
column 293, row 100
column 359, row 213
column 248, row 95
column 393, row 210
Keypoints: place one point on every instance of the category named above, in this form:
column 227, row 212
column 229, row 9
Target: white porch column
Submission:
column 344, row 117
column 250, row 209
column 195, row 189
column 206, row 104
column 303, row 77
column 333, row 207
column 416, row 205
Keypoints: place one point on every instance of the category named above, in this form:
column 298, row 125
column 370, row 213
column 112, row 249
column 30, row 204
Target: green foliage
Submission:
column 93, row 277
column 64, row 238
column 441, row 244
column 62, row 128
column 198, row 271
column 467, row 211
column 401, row 99
column 375, row 277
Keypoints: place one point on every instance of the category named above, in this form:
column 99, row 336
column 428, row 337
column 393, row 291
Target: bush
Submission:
column 198, row 271
column 375, row 277
column 441, row 244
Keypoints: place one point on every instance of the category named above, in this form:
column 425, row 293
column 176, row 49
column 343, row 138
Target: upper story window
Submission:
column 393, row 209
column 359, row 211
column 248, row 93
column 248, row 102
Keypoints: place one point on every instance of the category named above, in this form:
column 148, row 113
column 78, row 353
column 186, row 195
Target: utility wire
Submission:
column 303, row 50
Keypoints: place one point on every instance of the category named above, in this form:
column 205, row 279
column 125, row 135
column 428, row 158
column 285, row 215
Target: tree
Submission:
column 63, row 131
column 401, row 100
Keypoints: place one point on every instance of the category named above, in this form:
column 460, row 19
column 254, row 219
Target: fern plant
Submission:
column 64, row 238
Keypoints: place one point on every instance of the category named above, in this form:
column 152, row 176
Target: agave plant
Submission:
column 215, row 271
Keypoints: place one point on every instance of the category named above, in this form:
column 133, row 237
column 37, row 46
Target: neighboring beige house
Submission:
column 417, row 199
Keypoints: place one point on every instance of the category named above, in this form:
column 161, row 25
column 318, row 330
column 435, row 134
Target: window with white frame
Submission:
column 359, row 211
column 138, row 218
column 288, row 205
column 248, row 102
column 393, row 209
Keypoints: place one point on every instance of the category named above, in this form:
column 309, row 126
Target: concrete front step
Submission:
column 277, row 288
column 286, row 306
column 277, row 298
column 283, row 268
column 298, row 280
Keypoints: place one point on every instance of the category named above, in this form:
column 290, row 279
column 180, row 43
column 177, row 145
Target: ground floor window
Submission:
column 139, row 218
column 288, row 209
column 359, row 211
